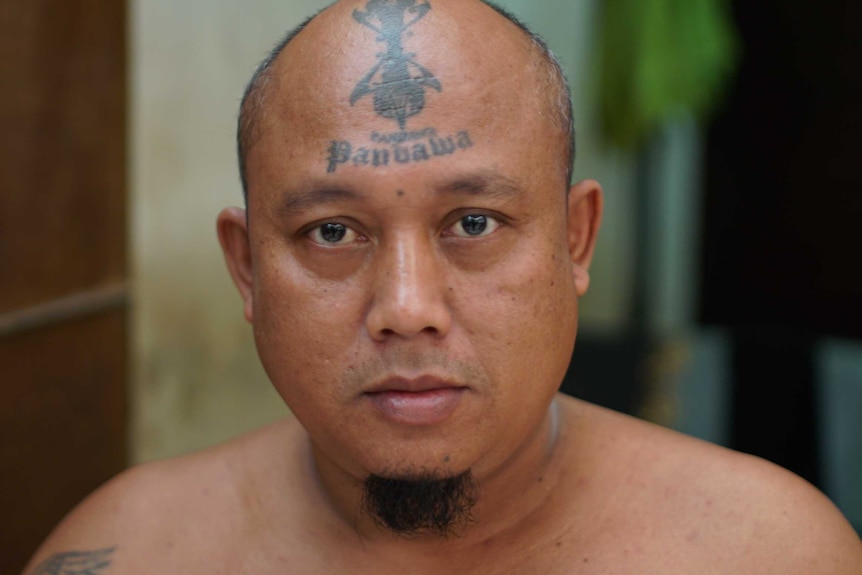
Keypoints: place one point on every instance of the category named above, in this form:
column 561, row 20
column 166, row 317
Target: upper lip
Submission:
column 413, row 384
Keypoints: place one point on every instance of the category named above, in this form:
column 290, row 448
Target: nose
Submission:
column 409, row 291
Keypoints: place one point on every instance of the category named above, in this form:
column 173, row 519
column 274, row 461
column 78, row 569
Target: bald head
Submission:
column 549, row 82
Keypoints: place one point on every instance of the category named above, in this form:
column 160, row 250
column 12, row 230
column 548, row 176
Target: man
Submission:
column 411, row 259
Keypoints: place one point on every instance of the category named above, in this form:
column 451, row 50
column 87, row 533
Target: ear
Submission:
column 233, row 237
column 585, row 205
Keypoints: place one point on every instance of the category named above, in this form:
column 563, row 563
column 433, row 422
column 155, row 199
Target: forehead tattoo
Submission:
column 398, row 82
column 398, row 86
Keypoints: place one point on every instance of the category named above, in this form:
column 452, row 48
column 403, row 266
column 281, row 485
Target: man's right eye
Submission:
column 332, row 234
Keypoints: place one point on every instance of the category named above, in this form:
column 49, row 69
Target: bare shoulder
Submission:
column 152, row 515
column 715, row 505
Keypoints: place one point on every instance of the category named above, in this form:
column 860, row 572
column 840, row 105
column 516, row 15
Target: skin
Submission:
column 565, row 487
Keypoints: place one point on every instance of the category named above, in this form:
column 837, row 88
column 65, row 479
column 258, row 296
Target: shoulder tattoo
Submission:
column 76, row 563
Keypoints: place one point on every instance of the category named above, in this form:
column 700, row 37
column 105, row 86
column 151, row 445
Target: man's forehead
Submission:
column 373, row 86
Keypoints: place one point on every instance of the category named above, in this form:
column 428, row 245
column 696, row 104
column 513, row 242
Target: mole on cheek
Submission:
column 400, row 193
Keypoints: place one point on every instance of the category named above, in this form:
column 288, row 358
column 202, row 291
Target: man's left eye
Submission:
column 474, row 226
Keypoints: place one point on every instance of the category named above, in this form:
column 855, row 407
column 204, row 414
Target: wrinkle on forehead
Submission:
column 469, row 184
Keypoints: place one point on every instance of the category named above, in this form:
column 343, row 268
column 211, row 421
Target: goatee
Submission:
column 423, row 503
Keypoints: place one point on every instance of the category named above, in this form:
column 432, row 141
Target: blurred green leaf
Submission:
column 659, row 58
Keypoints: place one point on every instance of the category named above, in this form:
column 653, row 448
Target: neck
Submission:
column 508, row 495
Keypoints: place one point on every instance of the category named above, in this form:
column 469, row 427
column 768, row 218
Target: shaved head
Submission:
column 551, row 86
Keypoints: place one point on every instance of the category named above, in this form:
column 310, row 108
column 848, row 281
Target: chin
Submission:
column 415, row 466
column 403, row 472
column 412, row 459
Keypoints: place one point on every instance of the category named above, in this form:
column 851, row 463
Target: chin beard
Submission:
column 423, row 503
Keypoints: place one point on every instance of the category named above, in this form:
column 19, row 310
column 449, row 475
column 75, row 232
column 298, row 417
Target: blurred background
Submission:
column 725, row 297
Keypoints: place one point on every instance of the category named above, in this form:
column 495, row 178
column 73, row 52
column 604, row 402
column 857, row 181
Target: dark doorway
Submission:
column 781, row 263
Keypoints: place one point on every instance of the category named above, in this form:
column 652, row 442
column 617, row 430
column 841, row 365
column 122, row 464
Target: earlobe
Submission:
column 585, row 205
column 233, row 236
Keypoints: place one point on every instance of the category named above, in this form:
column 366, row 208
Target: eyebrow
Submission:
column 490, row 185
column 297, row 202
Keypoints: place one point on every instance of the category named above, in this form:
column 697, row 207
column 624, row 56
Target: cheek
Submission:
column 303, row 325
column 525, row 310
column 535, row 286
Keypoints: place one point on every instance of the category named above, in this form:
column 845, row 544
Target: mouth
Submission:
column 423, row 401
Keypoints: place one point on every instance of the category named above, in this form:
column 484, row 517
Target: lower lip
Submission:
column 417, row 408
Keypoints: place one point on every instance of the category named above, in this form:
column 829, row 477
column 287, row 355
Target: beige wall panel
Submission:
column 197, row 379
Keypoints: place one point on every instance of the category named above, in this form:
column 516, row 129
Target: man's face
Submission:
column 413, row 302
